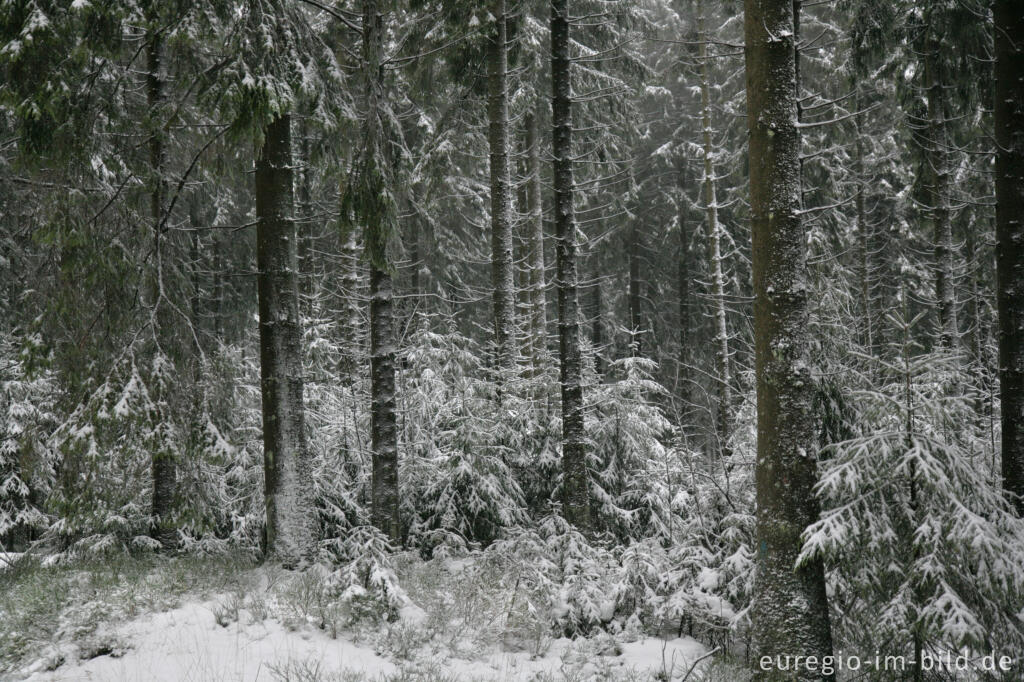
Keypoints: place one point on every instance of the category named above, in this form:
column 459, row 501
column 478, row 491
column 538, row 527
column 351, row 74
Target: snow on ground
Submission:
column 187, row 644
column 8, row 558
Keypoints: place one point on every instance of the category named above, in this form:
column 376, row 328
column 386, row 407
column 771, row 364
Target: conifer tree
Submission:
column 1009, row 129
column 575, row 478
column 790, row 611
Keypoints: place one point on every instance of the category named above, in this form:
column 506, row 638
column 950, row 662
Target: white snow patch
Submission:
column 187, row 644
column 7, row 559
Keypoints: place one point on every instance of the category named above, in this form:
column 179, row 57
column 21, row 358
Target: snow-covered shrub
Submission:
column 221, row 468
column 456, row 430
column 106, row 446
column 337, row 425
column 27, row 462
column 629, row 458
column 924, row 548
column 709, row 575
column 103, row 496
column 363, row 577
column 565, row 582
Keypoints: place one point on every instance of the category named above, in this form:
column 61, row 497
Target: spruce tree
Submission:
column 790, row 612
column 1009, row 129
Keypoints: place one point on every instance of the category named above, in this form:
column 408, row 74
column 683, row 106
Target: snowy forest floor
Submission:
column 187, row 619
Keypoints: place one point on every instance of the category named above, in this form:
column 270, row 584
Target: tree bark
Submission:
column 597, row 330
column 304, row 225
column 384, row 425
column 291, row 524
column 1009, row 129
column 535, row 248
column 351, row 320
column 502, row 264
column 635, row 297
column 384, row 508
column 724, row 382
column 864, row 234
column 163, row 464
column 790, row 611
column 575, row 477
column 939, row 200
column 684, row 286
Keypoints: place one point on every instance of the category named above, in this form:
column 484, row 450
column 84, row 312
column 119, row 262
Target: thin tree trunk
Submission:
column 351, row 322
column 291, row 524
column 864, row 233
column 939, row 200
column 790, row 611
column 163, row 465
column 194, row 258
column 304, row 225
column 715, row 254
column 597, row 310
column 535, row 248
column 218, row 286
column 502, row 264
column 635, row 298
column 684, row 285
column 575, row 477
column 1009, row 128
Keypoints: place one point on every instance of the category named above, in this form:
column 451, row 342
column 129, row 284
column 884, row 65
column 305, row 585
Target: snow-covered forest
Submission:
column 415, row 340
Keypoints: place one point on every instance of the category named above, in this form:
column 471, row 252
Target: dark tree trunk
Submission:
column 1009, row 126
column 790, row 611
column 218, row 286
column 194, row 260
column 938, row 161
column 575, row 477
column 864, row 233
column 291, row 524
column 384, row 508
column 163, row 464
column 304, row 225
column 535, row 248
column 502, row 264
column 384, row 427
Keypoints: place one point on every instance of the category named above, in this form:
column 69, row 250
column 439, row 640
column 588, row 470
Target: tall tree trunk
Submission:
column 287, row 465
column 535, row 248
column 863, row 233
column 790, row 612
column 502, row 264
column 304, row 225
column 575, row 477
column 938, row 161
column 1009, row 126
column 384, row 508
column 684, row 286
column 194, row 259
column 715, row 253
column 418, row 276
column 384, row 426
column 597, row 311
column 635, row 298
column 218, row 286
column 163, row 465
column 351, row 321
